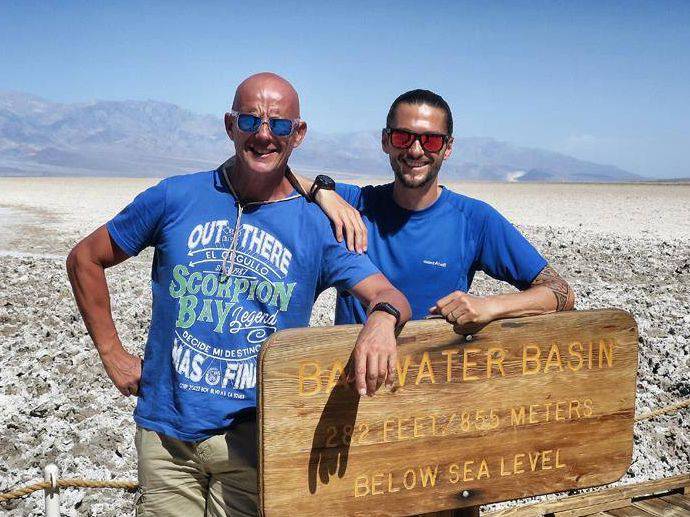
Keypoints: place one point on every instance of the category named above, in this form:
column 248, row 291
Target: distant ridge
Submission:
column 153, row 138
column 669, row 180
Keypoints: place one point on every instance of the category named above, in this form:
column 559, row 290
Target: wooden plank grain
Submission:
column 679, row 500
column 584, row 500
column 525, row 407
column 659, row 507
column 629, row 511
column 593, row 509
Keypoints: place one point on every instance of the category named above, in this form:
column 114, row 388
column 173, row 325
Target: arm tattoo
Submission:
column 559, row 287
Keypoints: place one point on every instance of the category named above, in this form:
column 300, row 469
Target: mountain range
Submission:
column 152, row 138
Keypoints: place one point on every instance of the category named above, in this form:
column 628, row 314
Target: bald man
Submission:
column 238, row 255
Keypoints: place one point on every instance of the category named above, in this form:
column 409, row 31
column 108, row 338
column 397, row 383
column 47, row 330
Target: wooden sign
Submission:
column 523, row 407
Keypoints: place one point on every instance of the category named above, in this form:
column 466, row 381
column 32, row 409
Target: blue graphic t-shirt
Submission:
column 429, row 253
column 207, row 327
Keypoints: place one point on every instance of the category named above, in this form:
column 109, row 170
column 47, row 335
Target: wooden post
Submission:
column 52, row 493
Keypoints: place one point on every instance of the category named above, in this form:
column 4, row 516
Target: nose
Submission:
column 415, row 150
column 264, row 132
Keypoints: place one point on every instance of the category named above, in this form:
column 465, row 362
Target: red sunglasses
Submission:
column 403, row 139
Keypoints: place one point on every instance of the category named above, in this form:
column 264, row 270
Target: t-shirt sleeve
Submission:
column 341, row 268
column 137, row 226
column 505, row 254
column 350, row 193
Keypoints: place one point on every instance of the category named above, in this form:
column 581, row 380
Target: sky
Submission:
column 604, row 81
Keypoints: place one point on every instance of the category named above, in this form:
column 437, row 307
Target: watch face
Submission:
column 387, row 307
column 325, row 182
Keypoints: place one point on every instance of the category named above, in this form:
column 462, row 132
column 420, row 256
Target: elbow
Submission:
column 71, row 262
column 75, row 260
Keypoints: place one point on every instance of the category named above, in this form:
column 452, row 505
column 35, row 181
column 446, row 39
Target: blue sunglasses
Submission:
column 251, row 123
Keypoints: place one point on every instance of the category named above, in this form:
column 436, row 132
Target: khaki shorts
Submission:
column 214, row 477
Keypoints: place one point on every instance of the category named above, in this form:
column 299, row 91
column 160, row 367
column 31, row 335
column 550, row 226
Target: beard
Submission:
column 417, row 181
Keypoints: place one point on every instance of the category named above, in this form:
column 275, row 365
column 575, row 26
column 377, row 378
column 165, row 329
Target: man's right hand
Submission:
column 124, row 369
column 375, row 354
column 346, row 220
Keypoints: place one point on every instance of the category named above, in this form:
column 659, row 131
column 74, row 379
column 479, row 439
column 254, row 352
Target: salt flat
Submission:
column 72, row 205
column 625, row 246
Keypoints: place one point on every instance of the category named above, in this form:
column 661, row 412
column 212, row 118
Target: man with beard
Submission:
column 430, row 241
column 238, row 256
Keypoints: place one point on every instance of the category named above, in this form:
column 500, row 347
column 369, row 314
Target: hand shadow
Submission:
column 331, row 446
column 469, row 329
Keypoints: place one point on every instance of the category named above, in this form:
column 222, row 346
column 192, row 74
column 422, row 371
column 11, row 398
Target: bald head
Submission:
column 261, row 155
column 267, row 88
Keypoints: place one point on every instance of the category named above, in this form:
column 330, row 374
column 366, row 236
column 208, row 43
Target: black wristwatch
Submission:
column 321, row 182
column 387, row 307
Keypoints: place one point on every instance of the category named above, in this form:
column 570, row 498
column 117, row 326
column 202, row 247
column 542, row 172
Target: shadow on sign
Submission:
column 329, row 450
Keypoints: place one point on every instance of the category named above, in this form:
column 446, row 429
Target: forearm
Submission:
column 396, row 299
column 377, row 289
column 548, row 293
column 93, row 299
column 531, row 302
column 302, row 184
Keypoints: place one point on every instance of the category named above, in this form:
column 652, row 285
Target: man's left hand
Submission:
column 461, row 308
column 375, row 354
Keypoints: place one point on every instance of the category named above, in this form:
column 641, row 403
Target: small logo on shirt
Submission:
column 213, row 376
column 434, row 263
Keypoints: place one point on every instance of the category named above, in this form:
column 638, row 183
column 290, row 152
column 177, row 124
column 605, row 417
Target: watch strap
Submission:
column 390, row 309
column 321, row 182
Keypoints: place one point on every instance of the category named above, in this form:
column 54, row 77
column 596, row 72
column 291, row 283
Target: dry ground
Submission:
column 624, row 246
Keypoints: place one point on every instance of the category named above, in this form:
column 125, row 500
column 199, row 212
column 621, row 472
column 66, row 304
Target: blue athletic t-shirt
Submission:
column 429, row 253
column 207, row 328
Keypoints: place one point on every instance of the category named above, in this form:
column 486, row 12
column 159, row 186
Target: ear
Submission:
column 300, row 133
column 229, row 121
column 449, row 149
column 384, row 142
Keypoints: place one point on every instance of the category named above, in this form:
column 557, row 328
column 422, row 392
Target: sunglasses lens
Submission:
column 248, row 123
column 401, row 139
column 281, row 126
column 432, row 143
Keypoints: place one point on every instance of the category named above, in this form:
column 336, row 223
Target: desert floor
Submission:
column 625, row 246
